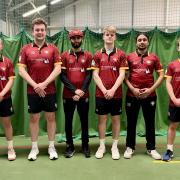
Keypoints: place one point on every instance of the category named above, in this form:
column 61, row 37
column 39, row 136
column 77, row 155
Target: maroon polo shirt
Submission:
column 76, row 65
column 141, row 70
column 6, row 73
column 173, row 71
column 40, row 63
column 109, row 66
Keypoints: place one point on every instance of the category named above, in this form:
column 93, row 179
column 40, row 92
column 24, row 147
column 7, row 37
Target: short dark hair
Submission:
column 141, row 33
column 39, row 21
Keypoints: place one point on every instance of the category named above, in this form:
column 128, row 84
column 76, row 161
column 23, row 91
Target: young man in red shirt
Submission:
column 43, row 65
column 141, row 93
column 76, row 76
column 109, row 66
column 173, row 88
column 6, row 109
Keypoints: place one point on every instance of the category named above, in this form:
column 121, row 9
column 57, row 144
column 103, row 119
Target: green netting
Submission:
column 161, row 43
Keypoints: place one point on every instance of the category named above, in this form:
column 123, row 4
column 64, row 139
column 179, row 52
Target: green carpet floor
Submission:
column 140, row 167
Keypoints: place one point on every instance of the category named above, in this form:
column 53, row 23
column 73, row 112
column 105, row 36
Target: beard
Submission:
column 76, row 45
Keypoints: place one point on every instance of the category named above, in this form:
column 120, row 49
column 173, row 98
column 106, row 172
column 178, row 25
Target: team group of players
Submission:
column 40, row 63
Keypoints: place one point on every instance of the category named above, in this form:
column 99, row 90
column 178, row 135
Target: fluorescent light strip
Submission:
column 40, row 8
column 55, row 1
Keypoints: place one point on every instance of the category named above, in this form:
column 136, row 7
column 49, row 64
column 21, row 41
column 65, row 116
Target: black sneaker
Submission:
column 69, row 151
column 168, row 155
column 86, row 151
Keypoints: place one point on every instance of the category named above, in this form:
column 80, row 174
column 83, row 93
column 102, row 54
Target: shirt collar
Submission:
column 35, row 45
column 144, row 55
column 71, row 52
column 103, row 50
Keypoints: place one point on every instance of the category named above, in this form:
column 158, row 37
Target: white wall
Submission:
column 99, row 13
column 2, row 26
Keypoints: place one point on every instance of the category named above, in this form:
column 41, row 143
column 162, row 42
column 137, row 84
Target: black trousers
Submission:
column 132, row 110
column 82, row 109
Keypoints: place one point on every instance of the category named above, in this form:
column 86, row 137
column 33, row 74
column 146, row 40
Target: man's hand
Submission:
column 76, row 98
column 79, row 92
column 177, row 102
column 40, row 89
column 144, row 93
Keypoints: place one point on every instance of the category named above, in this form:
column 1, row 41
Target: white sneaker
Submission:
column 154, row 154
column 11, row 155
column 52, row 153
column 115, row 153
column 100, row 152
column 128, row 153
column 33, row 154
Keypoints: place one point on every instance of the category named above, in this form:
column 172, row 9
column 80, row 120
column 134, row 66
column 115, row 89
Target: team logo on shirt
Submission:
column 115, row 59
column 93, row 63
column 148, row 62
column 71, row 61
column 114, row 68
column 82, row 70
column 82, row 60
column 46, row 61
column 2, row 78
column 147, row 71
column 46, row 52
column 3, row 68
column 32, row 52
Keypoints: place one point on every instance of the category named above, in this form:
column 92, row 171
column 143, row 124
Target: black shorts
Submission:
column 6, row 108
column 37, row 104
column 174, row 114
column 112, row 106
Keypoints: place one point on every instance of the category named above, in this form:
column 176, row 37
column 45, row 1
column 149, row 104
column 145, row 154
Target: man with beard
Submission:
column 7, row 77
column 173, row 88
column 76, row 76
column 141, row 93
column 42, row 61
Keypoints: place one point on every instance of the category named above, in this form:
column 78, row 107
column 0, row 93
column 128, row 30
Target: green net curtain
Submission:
column 161, row 43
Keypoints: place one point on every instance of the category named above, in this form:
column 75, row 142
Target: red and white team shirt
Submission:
column 173, row 71
column 109, row 66
column 40, row 63
column 76, row 65
column 141, row 70
column 6, row 73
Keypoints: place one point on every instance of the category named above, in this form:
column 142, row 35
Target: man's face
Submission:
column 76, row 41
column 109, row 37
column 142, row 42
column 39, row 32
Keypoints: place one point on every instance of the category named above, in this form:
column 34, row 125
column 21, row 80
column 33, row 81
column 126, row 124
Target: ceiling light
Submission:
column 40, row 8
column 55, row 1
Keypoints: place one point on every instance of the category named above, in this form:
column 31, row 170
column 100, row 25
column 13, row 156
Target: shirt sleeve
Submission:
column 158, row 65
column 123, row 61
column 89, row 62
column 169, row 71
column 22, row 57
column 63, row 60
column 95, row 62
column 57, row 57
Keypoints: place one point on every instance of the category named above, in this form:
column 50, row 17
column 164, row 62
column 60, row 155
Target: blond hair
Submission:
column 111, row 29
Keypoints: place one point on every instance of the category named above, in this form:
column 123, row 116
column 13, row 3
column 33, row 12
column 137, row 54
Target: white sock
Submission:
column 34, row 145
column 102, row 143
column 10, row 144
column 51, row 143
column 170, row 147
column 115, row 143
